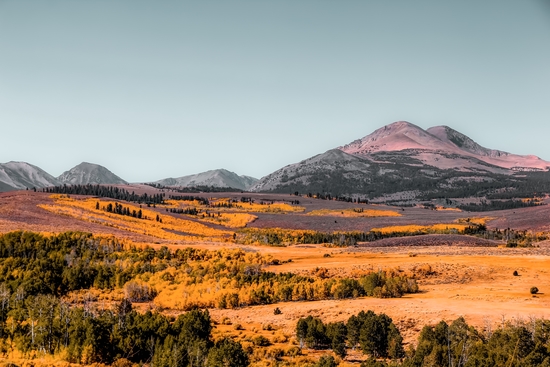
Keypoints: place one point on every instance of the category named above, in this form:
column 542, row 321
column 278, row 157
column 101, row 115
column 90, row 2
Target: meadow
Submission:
column 268, row 280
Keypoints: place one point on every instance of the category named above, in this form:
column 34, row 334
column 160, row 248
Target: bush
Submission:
column 326, row 361
column 516, row 273
column 122, row 362
column 261, row 341
column 280, row 338
column 138, row 292
column 275, row 353
column 293, row 352
column 371, row 362
column 277, row 311
column 226, row 352
column 534, row 290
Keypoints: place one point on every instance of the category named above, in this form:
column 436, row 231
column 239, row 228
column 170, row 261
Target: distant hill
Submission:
column 331, row 171
column 402, row 162
column 213, row 178
column 22, row 175
column 89, row 173
column 439, row 146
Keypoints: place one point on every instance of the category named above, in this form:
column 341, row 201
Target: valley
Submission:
column 457, row 275
column 400, row 248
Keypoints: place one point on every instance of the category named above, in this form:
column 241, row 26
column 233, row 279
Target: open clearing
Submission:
column 476, row 283
column 460, row 276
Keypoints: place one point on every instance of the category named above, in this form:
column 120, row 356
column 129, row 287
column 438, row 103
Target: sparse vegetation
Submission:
column 94, row 280
column 359, row 213
column 146, row 221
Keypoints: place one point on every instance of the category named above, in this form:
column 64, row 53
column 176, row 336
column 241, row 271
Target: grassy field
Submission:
column 476, row 282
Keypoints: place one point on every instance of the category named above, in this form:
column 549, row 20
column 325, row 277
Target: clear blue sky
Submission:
column 155, row 89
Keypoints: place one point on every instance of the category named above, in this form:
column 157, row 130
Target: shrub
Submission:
column 293, row 351
column 534, row 290
column 275, row 353
column 122, row 362
column 233, row 300
column 277, row 311
column 326, row 361
column 138, row 292
column 511, row 244
column 516, row 273
column 371, row 362
column 261, row 341
column 280, row 338
column 227, row 352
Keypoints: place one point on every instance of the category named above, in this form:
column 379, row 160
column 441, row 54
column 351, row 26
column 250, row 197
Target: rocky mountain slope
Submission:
column 441, row 147
column 22, row 175
column 89, row 173
column 402, row 161
column 321, row 173
column 214, row 178
column 467, row 146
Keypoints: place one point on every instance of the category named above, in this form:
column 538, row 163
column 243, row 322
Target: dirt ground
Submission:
column 476, row 283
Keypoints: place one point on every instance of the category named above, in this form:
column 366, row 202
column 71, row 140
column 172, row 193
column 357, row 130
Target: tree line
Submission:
column 56, row 265
column 37, row 271
column 121, row 210
column 282, row 237
column 514, row 344
column 490, row 205
column 200, row 199
column 45, row 324
column 107, row 192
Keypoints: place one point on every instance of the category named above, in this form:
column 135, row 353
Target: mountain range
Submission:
column 22, row 175
column 402, row 162
column 399, row 162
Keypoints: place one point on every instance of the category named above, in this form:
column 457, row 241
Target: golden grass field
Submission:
column 473, row 282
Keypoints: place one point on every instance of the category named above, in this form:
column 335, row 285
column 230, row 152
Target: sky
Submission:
column 156, row 89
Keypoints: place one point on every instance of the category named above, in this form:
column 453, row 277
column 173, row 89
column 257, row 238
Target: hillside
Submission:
column 89, row 173
column 259, row 264
column 441, row 147
column 333, row 171
column 22, row 175
column 214, row 178
column 402, row 163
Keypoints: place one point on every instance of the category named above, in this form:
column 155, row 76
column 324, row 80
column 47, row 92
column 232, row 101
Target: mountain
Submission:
column 215, row 178
column 441, row 147
column 22, row 175
column 321, row 173
column 467, row 146
column 402, row 161
column 89, row 173
column 400, row 135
